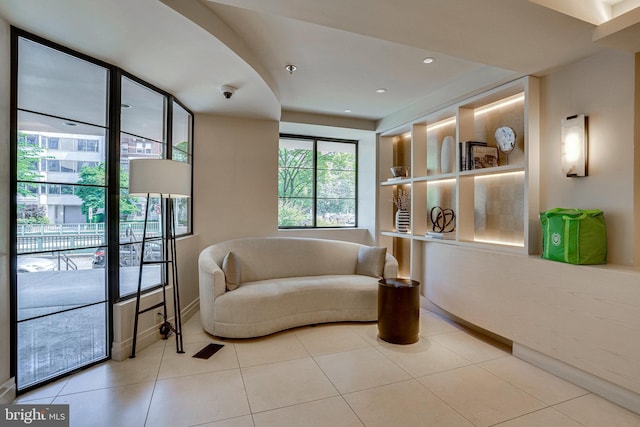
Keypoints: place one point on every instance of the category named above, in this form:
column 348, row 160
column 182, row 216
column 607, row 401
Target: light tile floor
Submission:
column 329, row 375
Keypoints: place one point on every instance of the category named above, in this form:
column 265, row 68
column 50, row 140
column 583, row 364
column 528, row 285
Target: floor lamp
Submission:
column 167, row 180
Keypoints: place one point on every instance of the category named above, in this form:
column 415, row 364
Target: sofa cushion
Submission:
column 271, row 257
column 231, row 270
column 371, row 261
column 255, row 303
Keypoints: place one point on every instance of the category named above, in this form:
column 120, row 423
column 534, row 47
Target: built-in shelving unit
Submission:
column 495, row 207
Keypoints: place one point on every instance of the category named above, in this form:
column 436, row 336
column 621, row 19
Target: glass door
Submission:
column 61, row 297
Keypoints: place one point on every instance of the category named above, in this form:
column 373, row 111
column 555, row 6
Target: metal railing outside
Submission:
column 50, row 237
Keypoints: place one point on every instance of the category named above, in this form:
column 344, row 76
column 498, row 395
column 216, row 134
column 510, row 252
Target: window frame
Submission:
column 112, row 164
column 115, row 152
column 315, row 140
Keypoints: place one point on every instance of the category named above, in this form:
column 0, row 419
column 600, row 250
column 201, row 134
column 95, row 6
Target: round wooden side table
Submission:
column 399, row 310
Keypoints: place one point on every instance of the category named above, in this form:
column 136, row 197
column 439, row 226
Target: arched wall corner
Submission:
column 264, row 87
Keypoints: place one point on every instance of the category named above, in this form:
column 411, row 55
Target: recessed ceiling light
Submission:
column 125, row 106
column 71, row 124
column 290, row 68
column 429, row 60
column 347, row 110
column 381, row 90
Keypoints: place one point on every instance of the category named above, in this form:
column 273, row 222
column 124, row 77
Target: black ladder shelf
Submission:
column 170, row 270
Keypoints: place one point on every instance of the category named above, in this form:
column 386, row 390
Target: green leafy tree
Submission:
column 28, row 157
column 94, row 197
column 294, row 213
column 336, row 188
column 336, row 181
column 181, row 152
column 32, row 214
column 295, row 187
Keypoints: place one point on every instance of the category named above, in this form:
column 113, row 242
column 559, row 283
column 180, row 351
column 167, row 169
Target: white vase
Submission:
column 403, row 221
column 447, row 155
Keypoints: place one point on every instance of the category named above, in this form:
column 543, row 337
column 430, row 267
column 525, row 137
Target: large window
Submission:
column 76, row 232
column 317, row 182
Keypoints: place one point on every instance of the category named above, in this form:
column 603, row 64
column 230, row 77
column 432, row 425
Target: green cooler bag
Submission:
column 574, row 236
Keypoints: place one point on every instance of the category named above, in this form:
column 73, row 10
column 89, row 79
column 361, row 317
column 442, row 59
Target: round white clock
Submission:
column 505, row 139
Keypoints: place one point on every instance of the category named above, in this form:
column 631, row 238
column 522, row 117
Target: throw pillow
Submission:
column 231, row 269
column 371, row 261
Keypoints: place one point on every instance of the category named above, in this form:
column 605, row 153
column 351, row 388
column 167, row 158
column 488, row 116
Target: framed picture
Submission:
column 484, row 157
column 466, row 157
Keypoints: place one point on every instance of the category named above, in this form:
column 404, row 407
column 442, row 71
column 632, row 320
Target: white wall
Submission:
column 5, row 342
column 367, row 186
column 601, row 87
column 235, row 178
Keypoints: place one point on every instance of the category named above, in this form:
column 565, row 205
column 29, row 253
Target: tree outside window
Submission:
column 92, row 193
column 316, row 183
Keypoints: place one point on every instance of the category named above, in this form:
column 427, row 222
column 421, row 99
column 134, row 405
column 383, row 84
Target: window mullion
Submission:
column 113, row 187
column 169, row 127
column 315, row 183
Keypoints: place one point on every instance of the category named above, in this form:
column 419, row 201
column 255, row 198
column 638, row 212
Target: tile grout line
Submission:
column 477, row 364
column 444, row 401
column 308, row 356
column 155, row 383
column 352, row 409
column 340, row 394
column 244, row 385
column 548, row 405
column 569, row 400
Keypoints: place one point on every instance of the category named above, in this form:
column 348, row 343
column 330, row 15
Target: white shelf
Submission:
column 436, row 240
column 396, row 234
column 435, row 178
column 497, row 246
column 493, row 171
column 478, row 208
column 397, row 182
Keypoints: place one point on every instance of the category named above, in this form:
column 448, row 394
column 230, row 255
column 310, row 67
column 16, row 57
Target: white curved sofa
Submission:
column 287, row 282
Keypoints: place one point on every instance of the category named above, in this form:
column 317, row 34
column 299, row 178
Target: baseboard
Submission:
column 619, row 395
column 428, row 305
column 190, row 310
column 8, row 391
column 122, row 350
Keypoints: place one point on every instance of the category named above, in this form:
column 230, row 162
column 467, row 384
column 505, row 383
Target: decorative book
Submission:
column 446, row 235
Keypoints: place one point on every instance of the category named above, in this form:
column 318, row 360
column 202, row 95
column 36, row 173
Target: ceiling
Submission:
column 343, row 51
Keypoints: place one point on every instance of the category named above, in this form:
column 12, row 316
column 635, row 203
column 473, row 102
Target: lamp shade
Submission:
column 159, row 178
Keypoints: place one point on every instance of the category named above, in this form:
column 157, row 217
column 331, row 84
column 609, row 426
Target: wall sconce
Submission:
column 575, row 146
